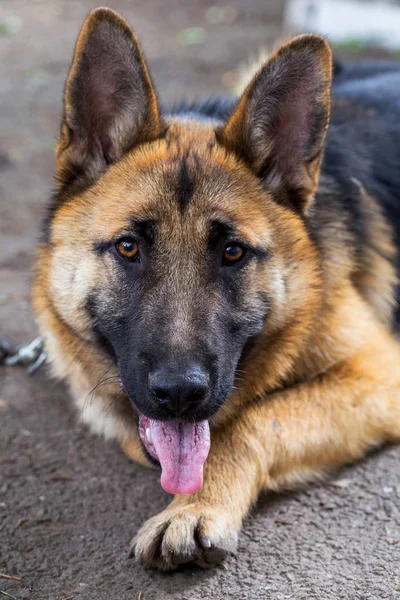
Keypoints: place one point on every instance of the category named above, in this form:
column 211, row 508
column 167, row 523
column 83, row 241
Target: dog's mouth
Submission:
column 181, row 448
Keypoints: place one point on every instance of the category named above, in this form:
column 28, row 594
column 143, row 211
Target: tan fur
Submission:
column 376, row 276
column 320, row 386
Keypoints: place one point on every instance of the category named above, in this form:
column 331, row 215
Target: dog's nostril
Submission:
column 178, row 392
column 160, row 393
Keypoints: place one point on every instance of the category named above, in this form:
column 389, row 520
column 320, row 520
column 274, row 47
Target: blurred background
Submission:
column 69, row 502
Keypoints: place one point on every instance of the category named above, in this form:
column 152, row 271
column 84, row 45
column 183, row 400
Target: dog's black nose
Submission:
column 181, row 391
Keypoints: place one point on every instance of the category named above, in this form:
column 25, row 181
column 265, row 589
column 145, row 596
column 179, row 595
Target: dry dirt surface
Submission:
column 70, row 502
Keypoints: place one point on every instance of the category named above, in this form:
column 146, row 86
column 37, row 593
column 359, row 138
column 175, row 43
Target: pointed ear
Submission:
column 109, row 102
column 280, row 123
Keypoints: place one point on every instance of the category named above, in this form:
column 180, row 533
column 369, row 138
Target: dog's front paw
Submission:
column 185, row 534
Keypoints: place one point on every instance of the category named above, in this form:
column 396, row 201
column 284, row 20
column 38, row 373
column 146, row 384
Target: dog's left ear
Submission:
column 110, row 104
column 280, row 123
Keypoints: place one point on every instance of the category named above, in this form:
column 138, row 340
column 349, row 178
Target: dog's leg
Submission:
column 282, row 439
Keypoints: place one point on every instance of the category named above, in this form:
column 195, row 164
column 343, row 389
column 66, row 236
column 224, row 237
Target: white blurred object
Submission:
column 369, row 21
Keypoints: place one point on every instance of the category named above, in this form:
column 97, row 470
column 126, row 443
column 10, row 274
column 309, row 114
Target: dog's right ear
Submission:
column 280, row 123
column 110, row 104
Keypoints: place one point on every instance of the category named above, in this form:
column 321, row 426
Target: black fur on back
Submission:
column 364, row 139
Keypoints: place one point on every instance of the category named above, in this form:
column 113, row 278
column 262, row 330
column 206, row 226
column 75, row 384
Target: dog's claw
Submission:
column 184, row 535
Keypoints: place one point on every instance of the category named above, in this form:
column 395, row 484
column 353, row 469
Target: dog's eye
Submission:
column 233, row 253
column 128, row 248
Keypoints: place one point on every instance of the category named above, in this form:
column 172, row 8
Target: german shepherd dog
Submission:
column 228, row 271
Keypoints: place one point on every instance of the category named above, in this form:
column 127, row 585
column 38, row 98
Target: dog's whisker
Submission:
column 89, row 396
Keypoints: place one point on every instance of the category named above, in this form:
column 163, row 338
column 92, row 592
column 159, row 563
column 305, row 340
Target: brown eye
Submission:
column 233, row 253
column 128, row 248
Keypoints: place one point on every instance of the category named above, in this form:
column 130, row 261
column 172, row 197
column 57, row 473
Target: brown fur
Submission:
column 320, row 385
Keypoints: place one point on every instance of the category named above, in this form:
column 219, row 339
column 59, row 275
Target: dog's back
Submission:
column 364, row 138
column 363, row 143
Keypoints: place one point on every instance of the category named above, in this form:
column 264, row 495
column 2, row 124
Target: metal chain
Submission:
column 30, row 355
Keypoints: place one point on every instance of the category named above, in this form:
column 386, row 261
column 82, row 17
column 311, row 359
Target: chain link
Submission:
column 30, row 355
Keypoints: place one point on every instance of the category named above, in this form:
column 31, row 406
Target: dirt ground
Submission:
column 70, row 502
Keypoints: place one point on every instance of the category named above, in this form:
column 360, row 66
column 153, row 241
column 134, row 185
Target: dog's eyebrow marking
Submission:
column 223, row 230
column 185, row 184
column 142, row 228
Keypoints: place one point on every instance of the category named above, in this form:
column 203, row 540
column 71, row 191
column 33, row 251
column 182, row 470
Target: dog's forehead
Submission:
column 185, row 180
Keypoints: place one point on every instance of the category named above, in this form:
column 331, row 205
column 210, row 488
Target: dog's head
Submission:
column 179, row 240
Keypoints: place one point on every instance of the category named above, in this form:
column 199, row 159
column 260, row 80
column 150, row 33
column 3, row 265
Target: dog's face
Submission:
column 177, row 267
column 176, row 242
column 182, row 266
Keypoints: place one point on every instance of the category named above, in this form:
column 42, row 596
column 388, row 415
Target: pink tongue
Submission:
column 182, row 449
